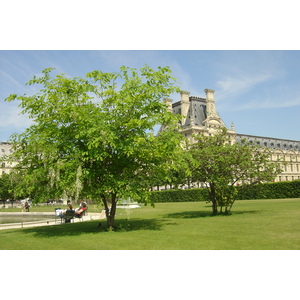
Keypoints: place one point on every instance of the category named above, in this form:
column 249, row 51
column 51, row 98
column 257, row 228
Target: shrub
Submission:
column 191, row 195
column 274, row 190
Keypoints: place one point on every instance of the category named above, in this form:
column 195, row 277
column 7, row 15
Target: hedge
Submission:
column 275, row 190
column 192, row 195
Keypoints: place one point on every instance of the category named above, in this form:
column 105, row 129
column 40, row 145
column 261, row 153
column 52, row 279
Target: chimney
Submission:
column 185, row 105
column 168, row 103
column 210, row 102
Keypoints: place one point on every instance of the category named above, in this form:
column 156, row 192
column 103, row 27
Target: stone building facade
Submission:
column 287, row 150
column 199, row 115
column 5, row 149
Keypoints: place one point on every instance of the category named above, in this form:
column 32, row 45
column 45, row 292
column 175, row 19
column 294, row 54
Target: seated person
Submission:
column 79, row 212
column 26, row 207
column 62, row 212
column 82, row 204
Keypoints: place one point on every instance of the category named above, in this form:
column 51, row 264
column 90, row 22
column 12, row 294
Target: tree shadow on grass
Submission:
column 92, row 227
column 204, row 214
column 141, row 224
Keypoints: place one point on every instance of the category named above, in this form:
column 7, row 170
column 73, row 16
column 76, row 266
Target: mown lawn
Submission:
column 253, row 224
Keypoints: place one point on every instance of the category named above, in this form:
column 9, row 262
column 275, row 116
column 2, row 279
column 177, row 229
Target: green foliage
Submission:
column 6, row 187
column 92, row 136
column 274, row 190
column 191, row 195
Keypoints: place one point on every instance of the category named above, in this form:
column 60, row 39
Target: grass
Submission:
column 253, row 225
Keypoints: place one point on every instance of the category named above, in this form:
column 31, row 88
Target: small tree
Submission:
column 92, row 136
column 221, row 165
column 6, row 188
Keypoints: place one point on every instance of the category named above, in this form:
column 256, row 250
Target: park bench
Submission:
column 70, row 214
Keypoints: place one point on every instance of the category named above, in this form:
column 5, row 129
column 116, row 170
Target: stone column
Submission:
column 210, row 102
column 168, row 102
column 185, row 105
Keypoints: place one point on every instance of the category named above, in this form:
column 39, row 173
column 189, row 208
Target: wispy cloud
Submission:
column 263, row 90
column 232, row 86
column 183, row 77
column 269, row 102
column 13, row 120
column 10, row 80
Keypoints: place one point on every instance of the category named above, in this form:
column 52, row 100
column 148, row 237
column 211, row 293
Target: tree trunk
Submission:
column 213, row 198
column 214, row 207
column 110, row 211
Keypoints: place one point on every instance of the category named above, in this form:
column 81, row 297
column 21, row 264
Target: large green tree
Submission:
column 93, row 137
column 220, row 164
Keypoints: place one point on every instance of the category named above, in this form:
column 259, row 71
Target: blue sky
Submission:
column 257, row 90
